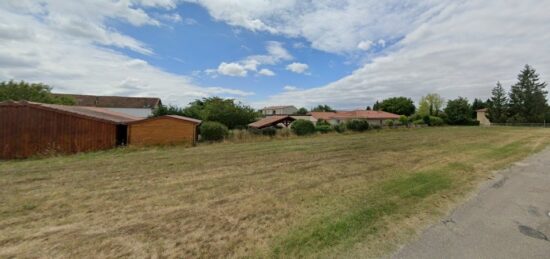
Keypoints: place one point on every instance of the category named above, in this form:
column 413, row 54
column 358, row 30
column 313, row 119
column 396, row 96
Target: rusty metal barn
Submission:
column 28, row 129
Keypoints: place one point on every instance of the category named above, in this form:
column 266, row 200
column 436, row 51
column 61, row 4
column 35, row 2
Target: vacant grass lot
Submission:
column 322, row 196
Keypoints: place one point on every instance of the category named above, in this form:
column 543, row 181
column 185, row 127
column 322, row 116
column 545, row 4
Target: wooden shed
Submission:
column 28, row 128
column 163, row 130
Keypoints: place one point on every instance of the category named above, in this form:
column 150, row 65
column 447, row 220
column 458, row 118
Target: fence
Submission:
column 535, row 125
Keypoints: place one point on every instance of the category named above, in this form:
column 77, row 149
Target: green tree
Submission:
column 375, row 107
column 323, row 108
column 398, row 105
column 528, row 97
column 226, row 111
column 301, row 111
column 430, row 104
column 459, row 112
column 498, row 105
column 19, row 91
column 168, row 110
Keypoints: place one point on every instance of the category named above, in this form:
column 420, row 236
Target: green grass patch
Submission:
column 393, row 197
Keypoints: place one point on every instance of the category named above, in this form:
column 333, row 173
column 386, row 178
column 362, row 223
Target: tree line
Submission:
column 525, row 102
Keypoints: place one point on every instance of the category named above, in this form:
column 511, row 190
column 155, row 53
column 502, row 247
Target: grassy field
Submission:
column 321, row 196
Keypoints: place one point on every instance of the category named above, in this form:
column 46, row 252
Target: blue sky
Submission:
column 198, row 43
column 347, row 54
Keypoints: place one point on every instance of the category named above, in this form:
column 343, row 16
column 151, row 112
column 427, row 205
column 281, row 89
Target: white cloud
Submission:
column 298, row 68
column 461, row 51
column 190, row 21
column 266, row 72
column 332, row 26
column 275, row 54
column 365, row 45
column 57, row 44
column 231, row 69
column 290, row 88
column 174, row 17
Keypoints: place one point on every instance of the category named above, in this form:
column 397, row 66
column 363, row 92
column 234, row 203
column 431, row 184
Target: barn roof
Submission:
column 269, row 121
column 80, row 111
column 357, row 114
column 177, row 117
column 114, row 101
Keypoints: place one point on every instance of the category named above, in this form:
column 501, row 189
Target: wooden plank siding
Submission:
column 26, row 131
column 161, row 131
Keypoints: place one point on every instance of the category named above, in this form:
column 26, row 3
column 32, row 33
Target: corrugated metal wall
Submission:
column 26, row 131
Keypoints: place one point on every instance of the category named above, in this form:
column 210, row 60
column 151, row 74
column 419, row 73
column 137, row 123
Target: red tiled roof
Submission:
column 357, row 114
column 270, row 120
column 80, row 111
column 114, row 101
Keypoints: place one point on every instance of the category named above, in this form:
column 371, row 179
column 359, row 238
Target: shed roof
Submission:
column 94, row 113
column 176, row 117
column 114, row 101
column 270, row 120
column 482, row 110
column 357, row 114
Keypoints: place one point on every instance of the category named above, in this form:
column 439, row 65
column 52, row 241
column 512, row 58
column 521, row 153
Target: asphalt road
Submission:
column 508, row 218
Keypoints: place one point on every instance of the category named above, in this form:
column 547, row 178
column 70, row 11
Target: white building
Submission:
column 135, row 106
column 279, row 110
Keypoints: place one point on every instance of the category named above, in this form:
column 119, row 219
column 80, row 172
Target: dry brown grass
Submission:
column 252, row 199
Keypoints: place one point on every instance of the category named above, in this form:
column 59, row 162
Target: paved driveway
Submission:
column 508, row 218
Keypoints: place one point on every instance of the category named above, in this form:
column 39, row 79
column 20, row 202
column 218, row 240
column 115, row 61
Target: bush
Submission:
column 357, row 125
column 302, row 127
column 323, row 128
column 418, row 122
column 389, row 123
column 213, row 131
column 269, row 131
column 436, row 121
column 404, row 120
column 322, row 122
column 376, row 127
column 340, row 128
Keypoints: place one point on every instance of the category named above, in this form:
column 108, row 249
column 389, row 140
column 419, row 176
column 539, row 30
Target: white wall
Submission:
column 137, row 112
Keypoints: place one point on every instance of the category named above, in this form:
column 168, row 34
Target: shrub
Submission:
column 340, row 128
column 418, row 122
column 376, row 127
column 427, row 120
column 213, row 131
column 436, row 121
column 255, row 131
column 389, row 123
column 357, row 125
column 302, row 127
column 403, row 120
column 269, row 131
column 322, row 122
column 323, row 128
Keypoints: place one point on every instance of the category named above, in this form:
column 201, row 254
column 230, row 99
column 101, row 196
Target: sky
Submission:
column 346, row 54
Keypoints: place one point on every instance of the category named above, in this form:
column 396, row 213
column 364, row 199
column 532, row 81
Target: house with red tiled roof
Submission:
column 135, row 106
column 373, row 117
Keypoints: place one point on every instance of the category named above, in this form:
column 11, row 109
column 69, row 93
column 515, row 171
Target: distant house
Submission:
column 482, row 117
column 279, row 110
column 373, row 117
column 134, row 106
